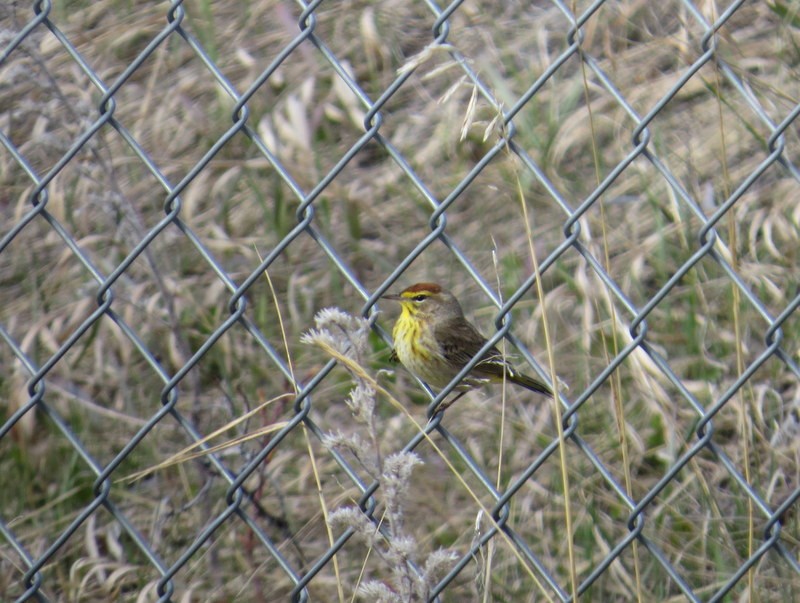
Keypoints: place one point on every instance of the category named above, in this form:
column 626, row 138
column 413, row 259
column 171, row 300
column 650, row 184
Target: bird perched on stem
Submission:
column 434, row 341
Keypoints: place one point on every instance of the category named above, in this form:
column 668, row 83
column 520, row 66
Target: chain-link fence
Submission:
column 185, row 186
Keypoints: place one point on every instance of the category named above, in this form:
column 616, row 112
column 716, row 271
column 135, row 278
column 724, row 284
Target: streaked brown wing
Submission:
column 460, row 341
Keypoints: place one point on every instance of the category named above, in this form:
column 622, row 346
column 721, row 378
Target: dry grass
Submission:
column 372, row 215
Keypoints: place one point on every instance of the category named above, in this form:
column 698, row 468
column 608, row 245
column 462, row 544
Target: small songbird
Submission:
column 434, row 341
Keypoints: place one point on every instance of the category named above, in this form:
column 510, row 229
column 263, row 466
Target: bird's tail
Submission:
column 529, row 383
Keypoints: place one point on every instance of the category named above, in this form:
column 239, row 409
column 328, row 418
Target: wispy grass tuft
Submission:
column 412, row 578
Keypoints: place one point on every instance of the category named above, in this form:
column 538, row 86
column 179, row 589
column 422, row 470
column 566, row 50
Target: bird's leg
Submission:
column 445, row 404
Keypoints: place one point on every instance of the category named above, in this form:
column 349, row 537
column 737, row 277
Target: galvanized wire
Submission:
column 33, row 584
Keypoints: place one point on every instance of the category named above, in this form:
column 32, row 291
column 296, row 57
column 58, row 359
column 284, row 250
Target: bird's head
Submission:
column 428, row 300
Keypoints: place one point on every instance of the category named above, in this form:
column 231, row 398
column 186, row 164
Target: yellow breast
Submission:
column 418, row 350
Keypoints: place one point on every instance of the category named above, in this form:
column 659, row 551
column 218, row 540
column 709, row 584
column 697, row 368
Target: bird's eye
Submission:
column 419, row 298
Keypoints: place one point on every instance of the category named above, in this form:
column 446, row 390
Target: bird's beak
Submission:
column 392, row 297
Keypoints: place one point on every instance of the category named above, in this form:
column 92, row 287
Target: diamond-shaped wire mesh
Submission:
column 186, row 185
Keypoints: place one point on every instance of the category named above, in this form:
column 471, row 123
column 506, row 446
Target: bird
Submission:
column 434, row 340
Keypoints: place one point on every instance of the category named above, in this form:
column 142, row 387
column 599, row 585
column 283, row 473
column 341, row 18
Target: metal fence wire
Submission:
column 186, row 185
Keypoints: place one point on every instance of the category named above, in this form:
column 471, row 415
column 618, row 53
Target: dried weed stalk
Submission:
column 391, row 540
